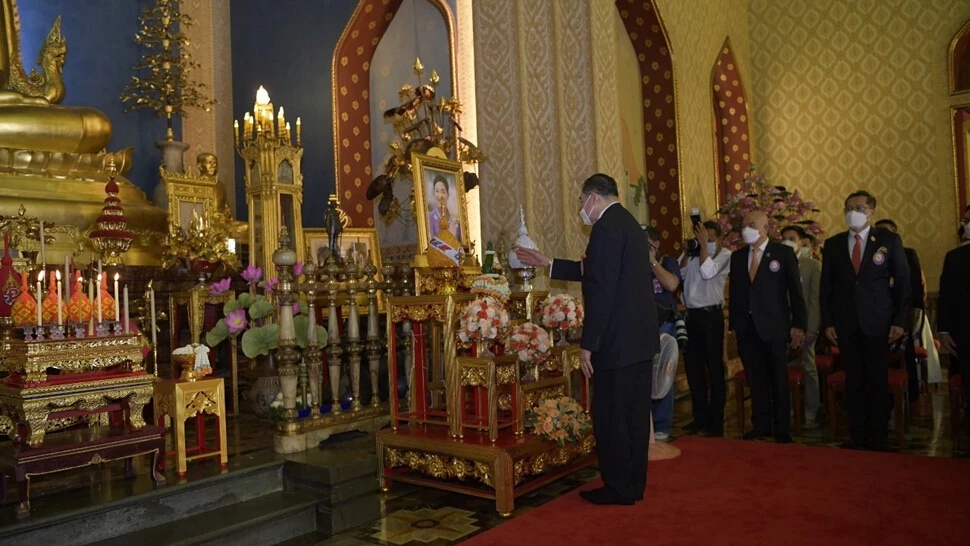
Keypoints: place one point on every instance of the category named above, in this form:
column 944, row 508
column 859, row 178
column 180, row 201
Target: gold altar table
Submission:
column 194, row 302
column 182, row 400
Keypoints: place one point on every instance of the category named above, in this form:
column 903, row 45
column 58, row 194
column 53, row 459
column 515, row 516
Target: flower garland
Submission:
column 559, row 419
column 530, row 342
column 483, row 319
column 491, row 285
column 562, row 312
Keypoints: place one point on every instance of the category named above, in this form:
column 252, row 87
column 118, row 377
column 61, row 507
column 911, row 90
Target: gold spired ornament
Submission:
column 52, row 157
column 273, row 158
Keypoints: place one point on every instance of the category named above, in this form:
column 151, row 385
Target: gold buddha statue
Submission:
column 29, row 116
column 53, row 160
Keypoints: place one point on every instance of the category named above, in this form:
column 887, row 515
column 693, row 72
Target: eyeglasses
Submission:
column 857, row 208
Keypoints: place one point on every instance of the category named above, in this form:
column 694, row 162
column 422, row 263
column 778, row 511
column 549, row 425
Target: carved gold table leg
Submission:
column 502, row 469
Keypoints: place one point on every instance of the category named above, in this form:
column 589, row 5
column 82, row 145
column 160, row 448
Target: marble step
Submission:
column 157, row 507
column 266, row 520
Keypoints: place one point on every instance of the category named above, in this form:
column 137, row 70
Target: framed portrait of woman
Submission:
column 439, row 198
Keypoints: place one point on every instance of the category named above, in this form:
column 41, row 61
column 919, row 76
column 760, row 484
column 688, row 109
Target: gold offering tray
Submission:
column 74, row 355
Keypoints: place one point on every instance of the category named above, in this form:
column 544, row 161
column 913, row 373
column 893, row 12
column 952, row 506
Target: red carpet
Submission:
column 734, row 492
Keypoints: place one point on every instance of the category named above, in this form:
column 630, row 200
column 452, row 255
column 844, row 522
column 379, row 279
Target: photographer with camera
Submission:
column 664, row 281
column 705, row 266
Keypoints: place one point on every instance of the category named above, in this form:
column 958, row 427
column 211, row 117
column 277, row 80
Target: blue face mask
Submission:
column 711, row 248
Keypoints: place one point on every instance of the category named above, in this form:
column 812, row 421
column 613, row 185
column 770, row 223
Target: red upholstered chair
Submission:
column 956, row 405
column 795, row 377
column 825, row 365
column 898, row 381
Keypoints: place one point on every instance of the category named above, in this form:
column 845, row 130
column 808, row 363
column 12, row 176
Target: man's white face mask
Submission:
column 585, row 215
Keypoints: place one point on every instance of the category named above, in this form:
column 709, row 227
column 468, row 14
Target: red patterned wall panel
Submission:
column 351, row 105
column 649, row 38
column 731, row 129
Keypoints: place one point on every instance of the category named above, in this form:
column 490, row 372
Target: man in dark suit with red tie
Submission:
column 620, row 337
column 865, row 293
column 768, row 315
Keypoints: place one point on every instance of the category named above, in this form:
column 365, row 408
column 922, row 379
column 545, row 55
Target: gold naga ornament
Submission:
column 421, row 124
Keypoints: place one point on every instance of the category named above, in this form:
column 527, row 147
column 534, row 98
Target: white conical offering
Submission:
column 523, row 241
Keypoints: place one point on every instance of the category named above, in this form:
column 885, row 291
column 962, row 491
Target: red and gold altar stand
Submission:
column 53, row 384
column 181, row 400
column 476, row 443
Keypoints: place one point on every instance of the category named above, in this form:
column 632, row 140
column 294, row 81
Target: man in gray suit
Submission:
column 810, row 271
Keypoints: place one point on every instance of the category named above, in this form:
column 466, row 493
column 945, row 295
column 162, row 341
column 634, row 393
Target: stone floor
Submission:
column 414, row 515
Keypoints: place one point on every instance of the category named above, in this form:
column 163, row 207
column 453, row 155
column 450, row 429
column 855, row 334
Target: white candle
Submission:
column 67, row 277
column 99, row 295
column 127, row 328
column 40, row 280
column 152, row 311
column 117, row 315
column 60, row 316
column 43, row 247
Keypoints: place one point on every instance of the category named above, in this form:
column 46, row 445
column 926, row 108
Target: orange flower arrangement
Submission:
column 559, row 419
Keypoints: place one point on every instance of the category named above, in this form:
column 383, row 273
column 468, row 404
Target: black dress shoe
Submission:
column 694, row 426
column 755, row 435
column 784, row 439
column 604, row 497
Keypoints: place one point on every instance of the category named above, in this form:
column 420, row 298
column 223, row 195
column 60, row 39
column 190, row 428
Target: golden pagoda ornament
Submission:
column 111, row 236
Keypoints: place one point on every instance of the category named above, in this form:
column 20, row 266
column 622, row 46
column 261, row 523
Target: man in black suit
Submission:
column 768, row 315
column 864, row 313
column 953, row 313
column 917, row 302
column 620, row 337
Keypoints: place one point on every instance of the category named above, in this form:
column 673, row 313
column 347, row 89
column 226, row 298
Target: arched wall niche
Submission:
column 958, row 61
column 732, row 142
column 352, row 115
column 644, row 25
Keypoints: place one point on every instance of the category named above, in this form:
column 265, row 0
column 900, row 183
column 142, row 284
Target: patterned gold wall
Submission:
column 852, row 94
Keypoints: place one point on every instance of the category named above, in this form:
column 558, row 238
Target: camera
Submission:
column 693, row 245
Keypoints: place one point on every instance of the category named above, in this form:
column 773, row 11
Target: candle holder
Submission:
column 57, row 331
column 101, row 329
column 38, row 333
column 28, row 333
column 79, row 329
column 116, row 328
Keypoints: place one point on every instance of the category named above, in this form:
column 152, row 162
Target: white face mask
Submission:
column 804, row 252
column 750, row 235
column 792, row 245
column 585, row 215
column 711, row 249
column 856, row 220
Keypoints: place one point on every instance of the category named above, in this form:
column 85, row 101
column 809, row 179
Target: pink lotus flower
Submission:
column 252, row 274
column 298, row 269
column 296, row 308
column 270, row 285
column 236, row 321
column 220, row 287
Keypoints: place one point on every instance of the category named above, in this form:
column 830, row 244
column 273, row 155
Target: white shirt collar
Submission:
column 864, row 234
column 762, row 246
column 607, row 207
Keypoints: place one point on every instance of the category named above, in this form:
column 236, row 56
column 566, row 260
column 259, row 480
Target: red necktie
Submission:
column 857, row 254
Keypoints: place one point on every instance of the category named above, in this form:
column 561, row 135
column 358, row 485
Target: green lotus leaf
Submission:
column 260, row 340
column 300, row 325
column 261, row 308
column 217, row 334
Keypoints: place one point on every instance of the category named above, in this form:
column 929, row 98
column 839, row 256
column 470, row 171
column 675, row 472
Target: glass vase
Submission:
column 563, row 337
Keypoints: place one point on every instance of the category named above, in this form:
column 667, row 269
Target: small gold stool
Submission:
column 182, row 400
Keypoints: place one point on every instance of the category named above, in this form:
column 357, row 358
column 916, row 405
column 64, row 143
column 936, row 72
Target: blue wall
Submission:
column 287, row 46
column 101, row 51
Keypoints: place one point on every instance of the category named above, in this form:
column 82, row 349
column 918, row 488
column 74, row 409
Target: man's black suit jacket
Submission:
column 953, row 313
column 774, row 300
column 620, row 328
column 866, row 300
column 915, row 279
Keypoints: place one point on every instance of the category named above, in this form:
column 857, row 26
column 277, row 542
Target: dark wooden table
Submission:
column 79, row 448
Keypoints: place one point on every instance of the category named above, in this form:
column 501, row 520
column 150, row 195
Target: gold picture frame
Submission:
column 354, row 242
column 188, row 194
column 428, row 172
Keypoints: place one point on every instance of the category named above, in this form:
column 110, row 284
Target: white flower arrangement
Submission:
column 483, row 319
column 562, row 312
column 530, row 342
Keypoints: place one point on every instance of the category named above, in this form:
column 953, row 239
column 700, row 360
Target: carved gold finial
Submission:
column 418, row 67
column 434, row 78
